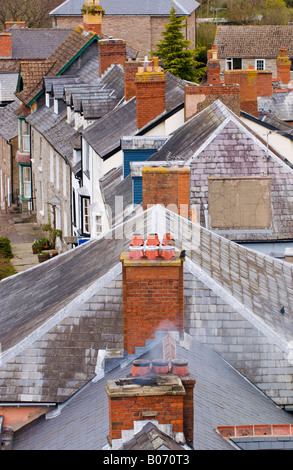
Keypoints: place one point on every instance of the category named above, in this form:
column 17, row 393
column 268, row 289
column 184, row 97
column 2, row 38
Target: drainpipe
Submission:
column 11, row 171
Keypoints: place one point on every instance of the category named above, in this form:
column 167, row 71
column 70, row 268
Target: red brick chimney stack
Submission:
column 150, row 82
column 130, row 70
column 111, row 51
column 283, row 66
column 169, row 186
column 253, row 83
column 153, row 292
column 213, row 67
column 5, row 45
column 152, row 392
column 92, row 16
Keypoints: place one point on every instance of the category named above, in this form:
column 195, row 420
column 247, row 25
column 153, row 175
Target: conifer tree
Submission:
column 173, row 49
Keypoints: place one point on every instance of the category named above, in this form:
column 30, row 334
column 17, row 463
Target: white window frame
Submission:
column 27, row 190
column 24, row 136
column 98, row 223
column 86, row 216
column 229, row 60
column 263, row 62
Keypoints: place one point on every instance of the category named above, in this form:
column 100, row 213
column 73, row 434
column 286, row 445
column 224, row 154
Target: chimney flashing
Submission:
column 134, row 387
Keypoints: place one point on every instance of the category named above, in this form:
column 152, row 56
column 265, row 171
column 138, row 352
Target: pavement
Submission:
column 21, row 236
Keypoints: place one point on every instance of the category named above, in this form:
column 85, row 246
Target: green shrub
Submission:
column 5, row 248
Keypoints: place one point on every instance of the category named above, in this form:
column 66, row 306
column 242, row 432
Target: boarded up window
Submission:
column 240, row 203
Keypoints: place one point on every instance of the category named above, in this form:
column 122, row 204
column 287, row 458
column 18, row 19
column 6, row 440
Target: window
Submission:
column 233, row 63
column 260, row 64
column 25, row 182
column 99, row 225
column 24, row 136
column 240, row 203
column 86, row 215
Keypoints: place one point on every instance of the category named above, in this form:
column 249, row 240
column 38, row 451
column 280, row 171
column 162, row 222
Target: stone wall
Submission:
column 232, row 153
column 51, row 178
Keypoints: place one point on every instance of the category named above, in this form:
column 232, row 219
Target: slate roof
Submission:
column 152, row 439
column 85, row 93
column 104, row 136
column 83, row 421
column 60, row 58
column 9, row 121
column 189, row 139
column 261, row 41
column 44, row 323
column 132, row 7
column 185, row 141
column 279, row 104
column 8, row 83
column 278, row 124
column 36, row 43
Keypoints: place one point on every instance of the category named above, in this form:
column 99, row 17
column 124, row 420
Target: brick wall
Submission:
column 167, row 186
column 5, row 45
column 152, row 300
column 253, row 83
column 130, row 70
column 111, row 51
column 283, row 66
column 123, row 411
column 150, row 95
column 126, row 27
column 200, row 97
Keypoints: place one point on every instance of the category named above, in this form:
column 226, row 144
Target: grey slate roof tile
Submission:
column 9, row 121
column 279, row 104
column 232, row 400
column 36, row 43
column 8, row 83
column 131, row 7
column 104, row 136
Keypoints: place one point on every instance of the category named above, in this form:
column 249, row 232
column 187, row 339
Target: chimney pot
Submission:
column 179, row 367
column 140, row 367
column 168, row 252
column 137, row 240
column 152, row 252
column 160, row 366
column 153, row 240
column 136, row 252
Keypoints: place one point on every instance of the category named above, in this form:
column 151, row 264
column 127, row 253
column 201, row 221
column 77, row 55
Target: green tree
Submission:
column 34, row 12
column 275, row 12
column 174, row 50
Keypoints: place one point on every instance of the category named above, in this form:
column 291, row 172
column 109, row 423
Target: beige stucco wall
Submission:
column 280, row 143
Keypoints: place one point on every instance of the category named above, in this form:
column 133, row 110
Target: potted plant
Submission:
column 52, row 235
column 43, row 256
column 39, row 245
